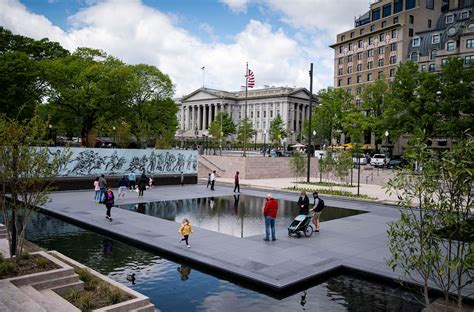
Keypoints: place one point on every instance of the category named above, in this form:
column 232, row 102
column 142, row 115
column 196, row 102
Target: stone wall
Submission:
column 249, row 167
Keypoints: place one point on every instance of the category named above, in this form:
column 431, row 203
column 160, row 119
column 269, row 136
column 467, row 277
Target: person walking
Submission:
column 303, row 203
column 109, row 202
column 318, row 207
column 213, row 180
column 132, row 179
column 181, row 178
column 208, row 180
column 97, row 190
column 122, row 187
column 237, row 182
column 269, row 213
column 102, row 187
column 142, row 184
column 185, row 229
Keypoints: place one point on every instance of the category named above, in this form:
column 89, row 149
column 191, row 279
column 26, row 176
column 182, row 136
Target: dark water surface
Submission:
column 238, row 215
column 175, row 287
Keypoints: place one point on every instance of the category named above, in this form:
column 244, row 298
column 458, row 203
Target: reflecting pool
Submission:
column 173, row 286
column 238, row 215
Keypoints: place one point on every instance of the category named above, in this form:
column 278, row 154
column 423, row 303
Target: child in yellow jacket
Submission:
column 185, row 229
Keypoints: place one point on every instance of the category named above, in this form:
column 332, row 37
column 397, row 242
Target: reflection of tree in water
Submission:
column 360, row 295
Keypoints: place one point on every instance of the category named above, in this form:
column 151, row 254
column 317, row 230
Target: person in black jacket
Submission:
column 109, row 202
column 142, row 184
column 303, row 203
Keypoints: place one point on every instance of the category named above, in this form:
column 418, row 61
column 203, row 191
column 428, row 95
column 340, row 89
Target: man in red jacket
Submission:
column 270, row 212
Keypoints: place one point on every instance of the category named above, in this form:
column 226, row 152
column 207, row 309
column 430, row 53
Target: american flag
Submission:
column 250, row 79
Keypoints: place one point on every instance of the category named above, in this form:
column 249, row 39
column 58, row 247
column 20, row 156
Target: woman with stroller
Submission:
column 303, row 204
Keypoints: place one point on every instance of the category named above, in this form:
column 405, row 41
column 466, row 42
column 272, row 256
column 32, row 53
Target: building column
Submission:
column 297, row 118
column 182, row 125
column 204, row 117
column 191, row 118
column 199, row 117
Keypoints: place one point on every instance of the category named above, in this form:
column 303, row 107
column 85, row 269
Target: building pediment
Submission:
column 199, row 95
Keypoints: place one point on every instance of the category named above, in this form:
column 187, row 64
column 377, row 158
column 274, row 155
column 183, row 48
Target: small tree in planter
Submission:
column 297, row 165
column 28, row 169
column 327, row 164
column 342, row 166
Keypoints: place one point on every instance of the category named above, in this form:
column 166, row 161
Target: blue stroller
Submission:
column 301, row 224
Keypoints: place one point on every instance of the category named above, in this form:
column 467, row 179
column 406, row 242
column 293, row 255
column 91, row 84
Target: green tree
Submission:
column 245, row 131
column 297, row 165
column 373, row 104
column 343, row 165
column 222, row 126
column 277, row 130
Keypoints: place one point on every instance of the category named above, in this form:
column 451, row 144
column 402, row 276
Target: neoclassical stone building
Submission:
column 198, row 109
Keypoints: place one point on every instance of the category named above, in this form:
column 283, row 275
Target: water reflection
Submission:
column 237, row 215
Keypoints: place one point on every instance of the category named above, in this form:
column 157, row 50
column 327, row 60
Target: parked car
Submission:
column 359, row 159
column 276, row 153
column 396, row 163
column 378, row 160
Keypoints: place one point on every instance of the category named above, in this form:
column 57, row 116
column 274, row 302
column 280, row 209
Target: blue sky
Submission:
column 278, row 38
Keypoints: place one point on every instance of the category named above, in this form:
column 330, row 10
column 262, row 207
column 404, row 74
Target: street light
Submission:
column 386, row 141
column 264, row 142
column 196, row 132
column 114, row 129
column 255, row 133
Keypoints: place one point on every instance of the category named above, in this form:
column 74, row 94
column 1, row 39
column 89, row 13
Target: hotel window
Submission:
column 394, row 33
column 435, row 39
column 416, row 42
column 410, row 32
column 392, row 72
column 393, row 59
column 370, row 65
column 371, row 40
column 359, row 78
column 433, row 54
column 343, row 37
column 430, row 4
column 444, row 62
column 411, row 19
column 414, row 57
column 352, row 34
column 468, row 59
column 340, row 49
column 372, row 28
column 450, row 46
column 349, row 80
column 360, row 55
column 369, row 77
column 410, row 4
column 470, row 44
column 381, row 50
column 380, row 75
column 393, row 47
column 381, row 62
column 382, row 37
column 358, row 103
column 361, row 31
column 429, row 23
column 384, row 24
column 359, row 67
column 449, row 18
column 349, row 58
column 387, row 10
column 350, row 47
column 339, row 71
column 375, row 14
column 423, row 68
column 370, row 53
column 340, row 60
column 349, row 90
column 359, row 44
column 465, row 15
column 359, row 90
column 432, row 68
column 395, row 20
column 349, row 70
column 397, row 6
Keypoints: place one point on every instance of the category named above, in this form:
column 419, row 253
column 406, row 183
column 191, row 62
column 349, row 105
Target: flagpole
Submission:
column 203, row 71
column 245, row 113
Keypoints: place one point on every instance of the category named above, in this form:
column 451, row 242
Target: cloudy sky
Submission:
column 278, row 38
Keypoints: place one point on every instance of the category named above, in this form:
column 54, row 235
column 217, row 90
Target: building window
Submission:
column 349, row 70
column 264, row 114
column 251, row 114
column 349, row 80
column 350, row 47
column 349, row 58
column 361, row 31
column 433, row 54
column 358, row 103
column 360, row 55
column 444, row 62
column 271, row 111
column 380, row 75
column 432, row 68
column 384, row 24
column 349, row 90
column 470, row 44
column 395, row 20
column 450, row 46
column 381, row 62
column 410, row 4
column 370, row 53
column 397, row 6
column 375, row 14
column 393, row 47
column 468, row 59
column 394, row 33
column 370, row 65
column 429, row 23
column 359, row 44
column 372, row 28
column 412, row 19
column 340, row 60
column 340, row 49
column 343, row 37
column 435, row 39
column 392, row 72
column 339, row 71
column 423, row 68
column 414, row 57
column 381, row 37
column 359, row 78
column 410, row 32
column 430, row 4
column 352, row 34
column 381, row 50
column 465, row 15
column 371, row 40
column 393, row 59
column 416, row 42
column 359, row 90
column 449, row 18
column 359, row 67
column 369, row 77
column 387, row 10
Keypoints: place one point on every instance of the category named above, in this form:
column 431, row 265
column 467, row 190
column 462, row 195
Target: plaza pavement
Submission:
column 358, row 242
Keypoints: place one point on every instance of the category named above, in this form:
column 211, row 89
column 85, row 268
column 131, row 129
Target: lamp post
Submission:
column 196, row 132
column 264, row 142
column 255, row 134
column 310, row 116
column 50, row 129
column 386, row 142
column 114, row 129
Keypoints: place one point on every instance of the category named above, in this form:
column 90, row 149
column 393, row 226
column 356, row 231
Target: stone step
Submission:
column 62, row 289
column 15, row 300
column 48, row 299
column 43, row 276
column 57, row 282
column 127, row 305
column 3, row 236
column 4, row 308
column 148, row 308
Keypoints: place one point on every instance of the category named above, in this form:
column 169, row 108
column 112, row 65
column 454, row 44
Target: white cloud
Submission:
column 236, row 6
column 136, row 33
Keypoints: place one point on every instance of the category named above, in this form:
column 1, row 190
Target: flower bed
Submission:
column 28, row 264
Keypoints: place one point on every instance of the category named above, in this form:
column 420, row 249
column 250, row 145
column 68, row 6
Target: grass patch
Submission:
column 328, row 184
column 96, row 294
column 27, row 264
column 331, row 192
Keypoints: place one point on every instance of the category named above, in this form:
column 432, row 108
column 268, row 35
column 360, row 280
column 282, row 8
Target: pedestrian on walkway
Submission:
column 237, row 182
column 208, row 180
column 269, row 213
column 97, row 190
column 102, row 187
column 318, row 207
column 142, row 184
column 213, row 180
column 109, row 202
column 303, row 203
column 122, row 187
column 181, row 178
column 185, row 229
column 132, row 179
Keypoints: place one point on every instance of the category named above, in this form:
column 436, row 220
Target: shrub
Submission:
column 114, row 295
column 72, row 295
column 42, row 262
column 7, row 268
column 86, row 302
column 25, row 255
column 84, row 275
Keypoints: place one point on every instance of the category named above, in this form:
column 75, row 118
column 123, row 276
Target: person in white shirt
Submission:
column 213, row 180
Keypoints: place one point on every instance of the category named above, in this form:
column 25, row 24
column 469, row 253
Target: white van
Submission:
column 378, row 160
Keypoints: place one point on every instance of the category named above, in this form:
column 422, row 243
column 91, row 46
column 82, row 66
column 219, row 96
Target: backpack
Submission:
column 320, row 206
